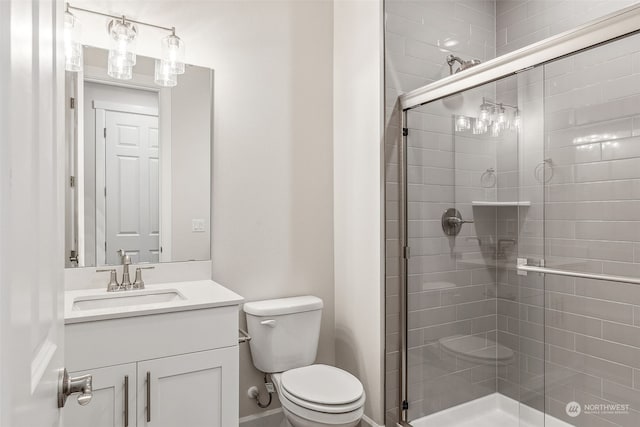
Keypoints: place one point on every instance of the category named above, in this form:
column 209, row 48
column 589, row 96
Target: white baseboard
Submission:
column 270, row 418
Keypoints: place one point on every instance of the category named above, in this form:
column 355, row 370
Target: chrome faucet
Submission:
column 126, row 262
column 126, row 284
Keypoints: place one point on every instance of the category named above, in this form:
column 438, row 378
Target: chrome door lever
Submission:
column 70, row 385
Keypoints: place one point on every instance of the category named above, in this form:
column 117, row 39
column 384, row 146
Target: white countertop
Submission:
column 196, row 295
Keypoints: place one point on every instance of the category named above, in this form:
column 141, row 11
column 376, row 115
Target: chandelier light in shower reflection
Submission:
column 493, row 118
column 73, row 57
column 463, row 123
column 123, row 34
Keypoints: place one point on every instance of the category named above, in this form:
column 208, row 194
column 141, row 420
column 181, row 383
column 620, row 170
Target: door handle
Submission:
column 71, row 385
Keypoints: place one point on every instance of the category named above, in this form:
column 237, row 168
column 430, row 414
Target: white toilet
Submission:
column 284, row 341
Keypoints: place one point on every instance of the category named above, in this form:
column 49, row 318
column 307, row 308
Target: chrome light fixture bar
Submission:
column 122, row 56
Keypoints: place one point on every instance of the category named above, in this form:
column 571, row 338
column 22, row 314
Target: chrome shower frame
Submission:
column 602, row 30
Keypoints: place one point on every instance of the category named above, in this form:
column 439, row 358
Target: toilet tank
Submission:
column 284, row 332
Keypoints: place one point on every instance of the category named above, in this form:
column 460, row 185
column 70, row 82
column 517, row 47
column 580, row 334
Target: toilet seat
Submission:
column 320, row 389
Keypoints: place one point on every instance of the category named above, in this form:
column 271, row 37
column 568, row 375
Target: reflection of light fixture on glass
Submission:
column 72, row 47
column 496, row 129
column 517, row 120
column 164, row 75
column 122, row 54
column 462, row 123
column 501, row 119
column 479, row 127
column 173, row 53
column 485, row 113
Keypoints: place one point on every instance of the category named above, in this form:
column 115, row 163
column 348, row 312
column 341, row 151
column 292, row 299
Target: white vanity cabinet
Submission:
column 177, row 368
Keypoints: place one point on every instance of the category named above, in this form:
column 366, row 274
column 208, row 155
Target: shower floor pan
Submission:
column 494, row 410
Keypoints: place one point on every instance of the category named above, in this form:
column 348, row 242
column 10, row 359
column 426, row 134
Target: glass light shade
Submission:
column 496, row 129
column 123, row 42
column 118, row 68
column 173, row 52
column 517, row 120
column 502, row 119
column 163, row 75
column 73, row 57
column 462, row 123
column 485, row 114
column 479, row 127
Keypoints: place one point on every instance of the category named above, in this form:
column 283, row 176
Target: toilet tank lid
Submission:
column 275, row 307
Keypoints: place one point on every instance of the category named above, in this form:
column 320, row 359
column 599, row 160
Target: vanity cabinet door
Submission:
column 196, row 390
column 113, row 403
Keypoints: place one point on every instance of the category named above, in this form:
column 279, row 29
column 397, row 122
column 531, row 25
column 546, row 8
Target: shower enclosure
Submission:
column 519, row 202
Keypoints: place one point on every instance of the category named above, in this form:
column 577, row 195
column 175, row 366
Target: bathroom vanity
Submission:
column 163, row 356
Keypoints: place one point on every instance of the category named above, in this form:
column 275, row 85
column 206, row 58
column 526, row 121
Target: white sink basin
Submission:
column 125, row 298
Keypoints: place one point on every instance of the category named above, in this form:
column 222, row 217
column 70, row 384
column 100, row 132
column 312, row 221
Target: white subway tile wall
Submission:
column 586, row 109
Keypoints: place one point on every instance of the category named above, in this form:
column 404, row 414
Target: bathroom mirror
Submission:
column 138, row 164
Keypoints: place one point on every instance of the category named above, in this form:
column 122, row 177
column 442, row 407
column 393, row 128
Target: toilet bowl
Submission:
column 320, row 395
column 284, row 342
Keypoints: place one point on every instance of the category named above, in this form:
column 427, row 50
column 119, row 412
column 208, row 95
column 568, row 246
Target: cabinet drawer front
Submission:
column 195, row 390
column 118, row 341
column 107, row 406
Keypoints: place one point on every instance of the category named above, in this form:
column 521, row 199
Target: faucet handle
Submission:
column 113, row 279
column 138, row 283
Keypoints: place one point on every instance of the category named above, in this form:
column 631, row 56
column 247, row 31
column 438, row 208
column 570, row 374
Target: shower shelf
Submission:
column 498, row 204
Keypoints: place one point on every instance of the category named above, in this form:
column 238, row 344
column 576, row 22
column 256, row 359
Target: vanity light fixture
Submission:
column 122, row 55
column 72, row 48
column 123, row 33
column 173, row 53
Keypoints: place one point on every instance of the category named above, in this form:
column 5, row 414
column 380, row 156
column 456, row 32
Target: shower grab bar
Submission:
column 556, row 272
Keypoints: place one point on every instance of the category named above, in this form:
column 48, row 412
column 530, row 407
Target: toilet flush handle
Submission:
column 270, row 323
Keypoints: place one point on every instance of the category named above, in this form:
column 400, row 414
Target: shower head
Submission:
column 451, row 59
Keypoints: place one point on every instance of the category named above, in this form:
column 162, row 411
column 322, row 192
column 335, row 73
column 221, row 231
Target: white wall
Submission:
column 272, row 227
column 358, row 195
column 190, row 164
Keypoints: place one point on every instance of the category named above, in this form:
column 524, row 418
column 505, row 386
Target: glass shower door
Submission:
column 475, row 356
column 590, row 170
